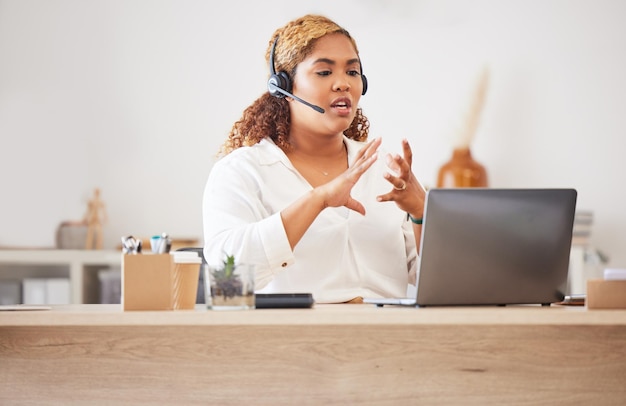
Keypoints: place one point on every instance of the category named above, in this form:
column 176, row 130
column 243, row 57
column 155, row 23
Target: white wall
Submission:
column 135, row 97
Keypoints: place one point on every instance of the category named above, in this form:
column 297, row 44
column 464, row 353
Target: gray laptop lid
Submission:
column 495, row 246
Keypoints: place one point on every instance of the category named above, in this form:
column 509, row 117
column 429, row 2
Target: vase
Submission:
column 462, row 171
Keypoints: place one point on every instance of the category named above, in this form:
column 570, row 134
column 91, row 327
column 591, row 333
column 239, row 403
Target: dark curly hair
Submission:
column 269, row 116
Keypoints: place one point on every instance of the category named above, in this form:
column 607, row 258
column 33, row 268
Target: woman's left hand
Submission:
column 406, row 190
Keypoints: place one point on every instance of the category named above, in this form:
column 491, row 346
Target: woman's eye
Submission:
column 324, row 73
column 354, row 73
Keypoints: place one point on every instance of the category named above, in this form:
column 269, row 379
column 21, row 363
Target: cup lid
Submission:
column 186, row 257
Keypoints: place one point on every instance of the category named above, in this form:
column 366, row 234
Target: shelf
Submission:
column 82, row 267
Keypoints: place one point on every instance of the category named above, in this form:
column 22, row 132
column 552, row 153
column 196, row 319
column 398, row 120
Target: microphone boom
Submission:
column 286, row 93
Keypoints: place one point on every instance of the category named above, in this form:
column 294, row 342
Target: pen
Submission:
column 161, row 244
column 131, row 245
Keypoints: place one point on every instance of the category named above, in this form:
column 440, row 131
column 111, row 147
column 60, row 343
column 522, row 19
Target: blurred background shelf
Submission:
column 43, row 268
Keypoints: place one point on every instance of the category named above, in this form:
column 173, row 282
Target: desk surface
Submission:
column 321, row 314
column 331, row 354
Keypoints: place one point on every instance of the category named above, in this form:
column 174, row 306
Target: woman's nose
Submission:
column 342, row 85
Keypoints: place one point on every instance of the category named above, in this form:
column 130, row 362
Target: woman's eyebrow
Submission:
column 332, row 62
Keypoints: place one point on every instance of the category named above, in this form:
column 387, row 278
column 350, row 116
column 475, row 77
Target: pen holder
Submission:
column 606, row 294
column 159, row 281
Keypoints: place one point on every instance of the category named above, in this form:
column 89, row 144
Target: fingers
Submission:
column 355, row 205
column 401, row 166
column 371, row 148
column 365, row 165
column 396, row 164
column 364, row 160
column 337, row 191
column 408, row 154
column 396, row 182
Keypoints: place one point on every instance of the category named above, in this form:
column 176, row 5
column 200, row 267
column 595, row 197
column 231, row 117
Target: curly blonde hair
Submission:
column 268, row 116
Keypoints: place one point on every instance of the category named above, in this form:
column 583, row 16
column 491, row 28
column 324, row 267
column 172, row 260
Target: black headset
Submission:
column 282, row 81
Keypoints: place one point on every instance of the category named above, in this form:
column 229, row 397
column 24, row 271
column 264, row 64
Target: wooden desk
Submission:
column 329, row 355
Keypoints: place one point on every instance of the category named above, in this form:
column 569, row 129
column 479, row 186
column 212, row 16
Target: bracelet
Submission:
column 415, row 221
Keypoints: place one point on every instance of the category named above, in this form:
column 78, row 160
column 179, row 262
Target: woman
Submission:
column 300, row 194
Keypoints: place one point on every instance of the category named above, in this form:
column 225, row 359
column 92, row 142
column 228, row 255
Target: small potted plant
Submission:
column 227, row 283
column 231, row 285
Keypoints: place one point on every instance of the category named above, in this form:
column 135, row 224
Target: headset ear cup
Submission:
column 278, row 80
column 272, row 83
column 364, row 79
column 285, row 82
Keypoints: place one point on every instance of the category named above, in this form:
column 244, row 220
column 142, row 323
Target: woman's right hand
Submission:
column 298, row 217
column 337, row 192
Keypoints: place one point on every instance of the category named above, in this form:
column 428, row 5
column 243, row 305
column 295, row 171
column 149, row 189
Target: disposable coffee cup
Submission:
column 185, row 279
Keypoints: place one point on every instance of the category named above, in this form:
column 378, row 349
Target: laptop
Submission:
column 483, row 246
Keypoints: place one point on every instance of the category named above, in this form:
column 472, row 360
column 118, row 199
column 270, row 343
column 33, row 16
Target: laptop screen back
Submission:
column 495, row 246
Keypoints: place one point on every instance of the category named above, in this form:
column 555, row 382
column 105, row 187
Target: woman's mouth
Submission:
column 342, row 105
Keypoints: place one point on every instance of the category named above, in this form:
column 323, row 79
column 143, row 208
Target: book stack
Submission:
column 581, row 234
column 10, row 292
column 46, row 291
column 110, row 286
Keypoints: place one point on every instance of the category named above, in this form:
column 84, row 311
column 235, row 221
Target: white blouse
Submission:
column 341, row 256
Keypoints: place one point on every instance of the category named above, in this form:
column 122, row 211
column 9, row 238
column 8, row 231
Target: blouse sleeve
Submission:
column 237, row 223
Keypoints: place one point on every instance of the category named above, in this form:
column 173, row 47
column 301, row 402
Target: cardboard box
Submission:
column 606, row 294
column 160, row 281
column 147, row 282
